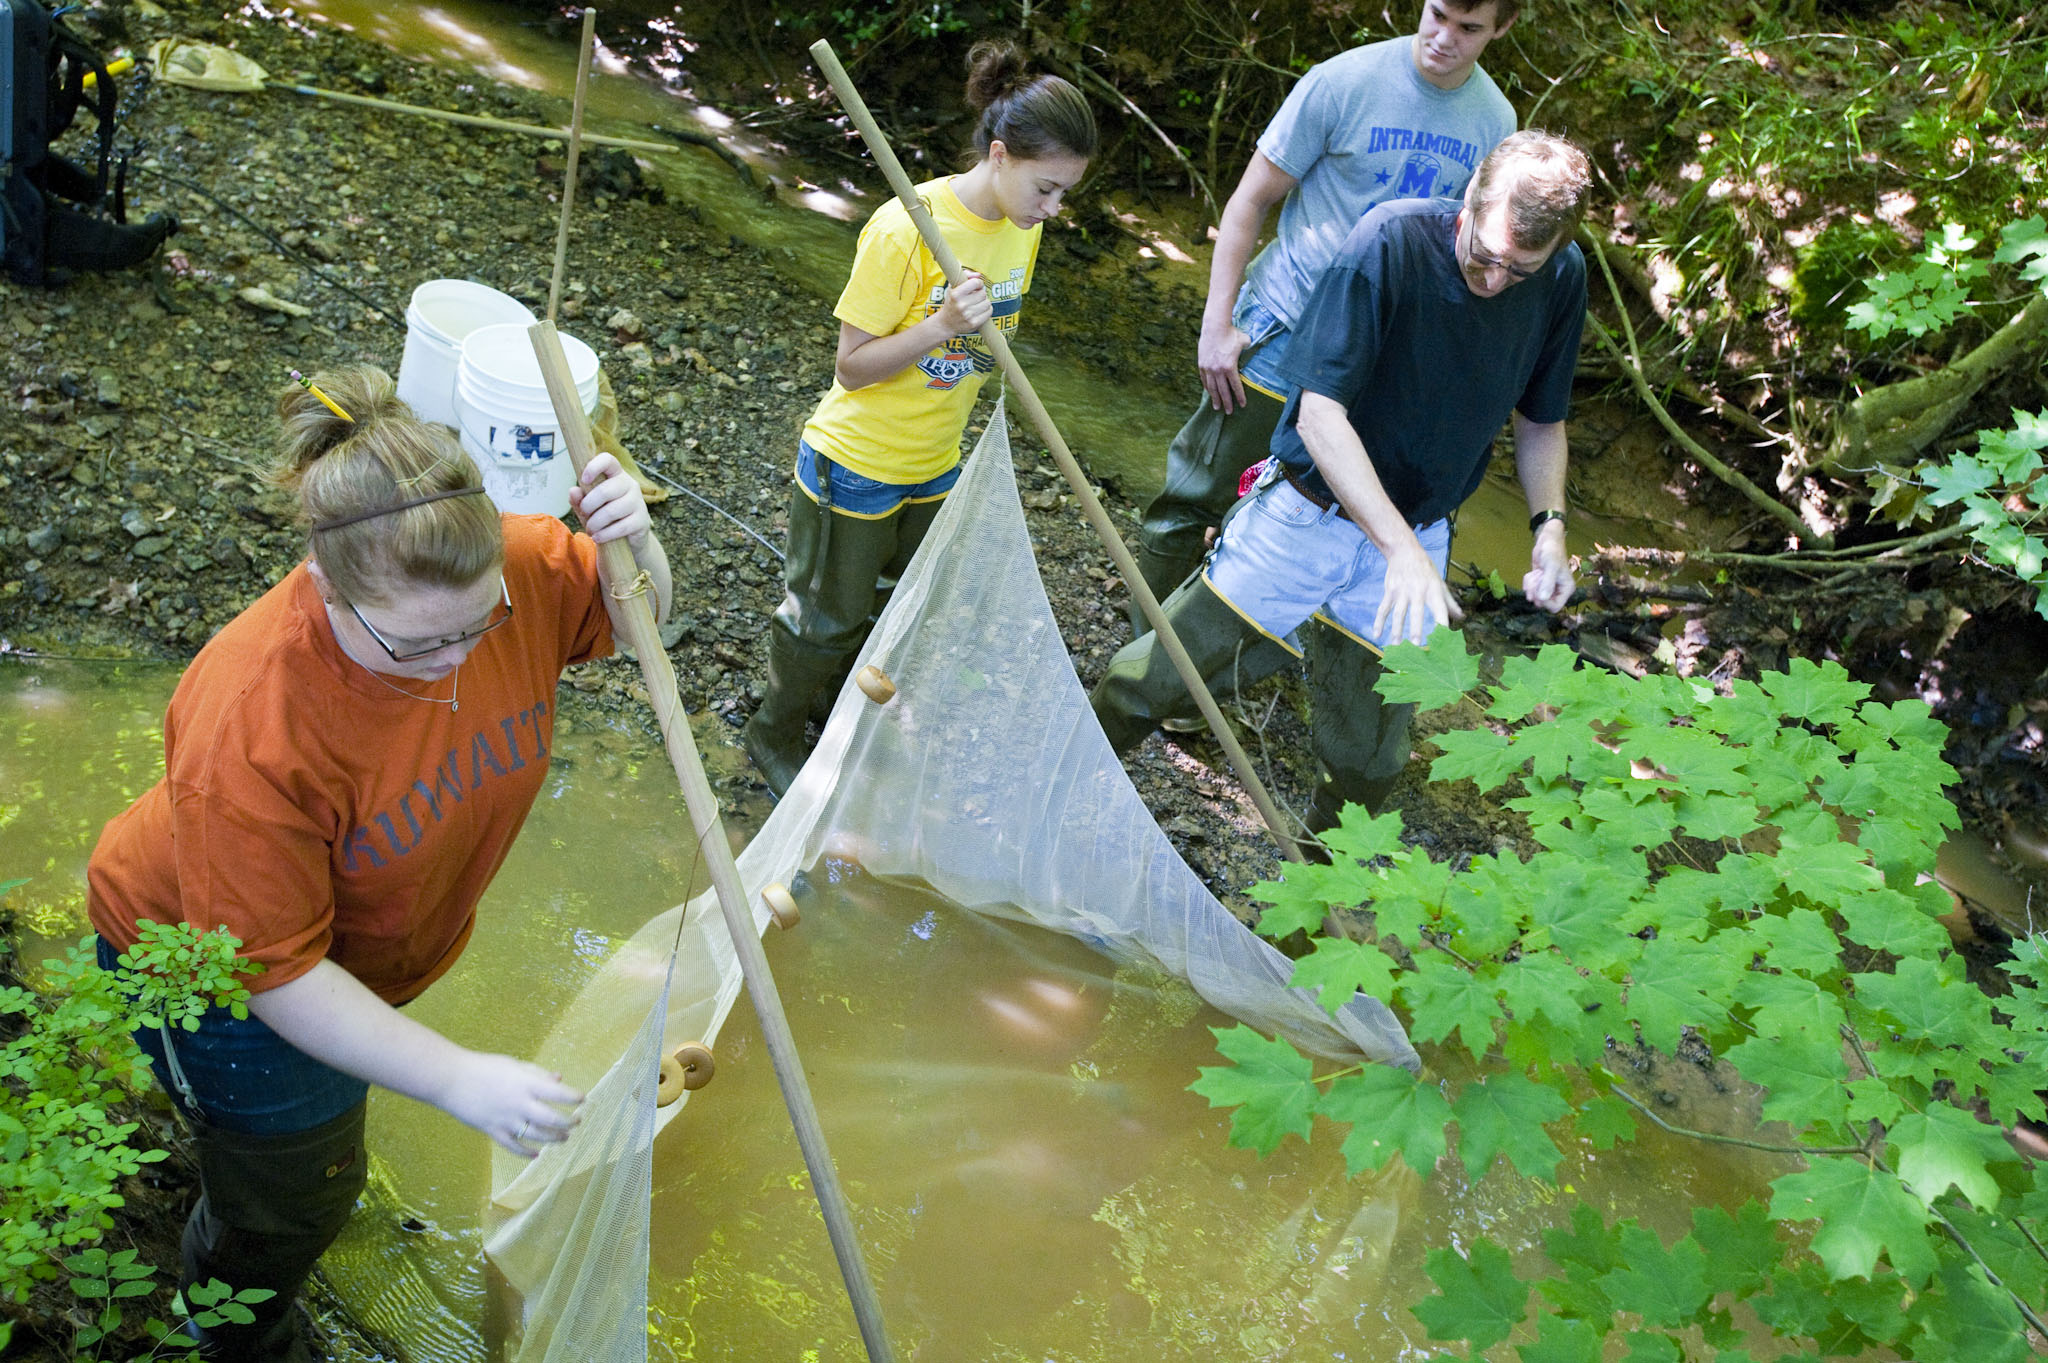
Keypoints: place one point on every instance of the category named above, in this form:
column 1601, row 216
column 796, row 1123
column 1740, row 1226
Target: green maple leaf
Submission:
column 1815, row 693
column 1410, row 895
column 1801, row 1300
column 1560, row 1339
column 1711, row 818
column 1827, row 872
column 1863, row 1214
column 1740, row 1249
column 1945, row 1147
column 1271, row 1085
column 1482, row 906
column 1927, row 998
column 1302, row 898
column 1680, row 904
column 1390, row 1111
column 1430, row 674
column 1480, row 755
column 1482, row 1301
column 1873, row 1100
column 1886, row 920
column 2010, row 1088
column 1644, row 1347
column 1807, row 1010
column 1560, row 747
column 1695, row 759
column 1362, row 836
column 1573, row 907
column 1802, row 1073
column 1899, row 845
column 1588, row 1249
column 1505, row 1113
column 1674, row 984
column 1799, row 942
column 1634, row 817
column 1543, row 984
column 1442, row 998
column 1339, row 970
column 1908, row 723
column 1958, row 480
column 1970, row 1319
column 1526, row 682
column 2025, row 240
column 1664, row 1287
column 1745, row 716
column 2005, row 1248
column 1604, row 1122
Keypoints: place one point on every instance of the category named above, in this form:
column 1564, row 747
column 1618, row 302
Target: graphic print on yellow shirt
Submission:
column 906, row 428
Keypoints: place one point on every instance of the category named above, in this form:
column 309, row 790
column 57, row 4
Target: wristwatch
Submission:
column 1536, row 521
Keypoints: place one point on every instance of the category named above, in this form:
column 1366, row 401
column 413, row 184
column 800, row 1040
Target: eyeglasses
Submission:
column 1480, row 261
column 410, row 654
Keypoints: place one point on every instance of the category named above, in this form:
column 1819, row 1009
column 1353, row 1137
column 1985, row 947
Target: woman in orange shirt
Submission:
column 346, row 765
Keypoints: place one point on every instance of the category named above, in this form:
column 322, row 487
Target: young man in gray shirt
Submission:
column 1408, row 118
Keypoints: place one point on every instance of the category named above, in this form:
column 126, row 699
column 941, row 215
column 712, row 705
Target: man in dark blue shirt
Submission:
column 1433, row 325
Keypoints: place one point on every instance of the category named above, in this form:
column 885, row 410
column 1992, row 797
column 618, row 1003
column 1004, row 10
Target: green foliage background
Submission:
column 1745, row 868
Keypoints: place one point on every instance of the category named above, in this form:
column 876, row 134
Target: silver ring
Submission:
column 521, row 1137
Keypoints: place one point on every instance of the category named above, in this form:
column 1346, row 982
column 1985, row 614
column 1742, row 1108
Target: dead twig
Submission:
column 1200, row 181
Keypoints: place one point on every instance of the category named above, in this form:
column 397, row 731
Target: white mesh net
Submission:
column 986, row 777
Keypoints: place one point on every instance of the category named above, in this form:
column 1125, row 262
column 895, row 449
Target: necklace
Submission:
column 454, row 701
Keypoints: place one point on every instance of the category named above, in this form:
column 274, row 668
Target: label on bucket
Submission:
column 527, row 443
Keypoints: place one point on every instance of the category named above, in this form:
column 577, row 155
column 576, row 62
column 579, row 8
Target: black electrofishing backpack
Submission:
column 56, row 216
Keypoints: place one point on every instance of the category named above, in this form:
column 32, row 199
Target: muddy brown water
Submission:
column 1008, row 1109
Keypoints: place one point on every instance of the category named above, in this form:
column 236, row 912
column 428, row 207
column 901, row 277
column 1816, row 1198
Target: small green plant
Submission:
column 96, row 1275
column 63, row 1152
column 1934, row 293
column 2001, row 503
column 1744, row 868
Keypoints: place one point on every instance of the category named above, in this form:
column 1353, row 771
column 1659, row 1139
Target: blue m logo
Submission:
column 1418, row 177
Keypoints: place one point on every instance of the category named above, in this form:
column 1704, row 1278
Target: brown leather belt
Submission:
column 1320, row 501
column 1323, row 503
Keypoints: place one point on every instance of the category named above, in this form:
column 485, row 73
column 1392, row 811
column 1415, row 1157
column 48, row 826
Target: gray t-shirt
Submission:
column 1358, row 130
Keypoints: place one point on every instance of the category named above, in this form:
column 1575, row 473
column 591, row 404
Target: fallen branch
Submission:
column 1632, row 364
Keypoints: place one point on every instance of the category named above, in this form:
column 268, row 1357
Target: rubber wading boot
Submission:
column 269, row 1206
column 774, row 737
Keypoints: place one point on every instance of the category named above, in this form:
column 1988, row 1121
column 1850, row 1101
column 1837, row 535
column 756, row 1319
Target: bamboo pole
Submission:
column 635, row 615
column 1091, row 505
column 575, row 154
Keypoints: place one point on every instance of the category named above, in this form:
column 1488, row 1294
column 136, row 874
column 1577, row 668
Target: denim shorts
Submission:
column 867, row 498
column 237, row 1074
column 1265, row 347
column 1282, row 559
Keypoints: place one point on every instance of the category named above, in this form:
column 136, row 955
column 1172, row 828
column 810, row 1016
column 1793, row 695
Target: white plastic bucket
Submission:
column 440, row 317
column 508, row 424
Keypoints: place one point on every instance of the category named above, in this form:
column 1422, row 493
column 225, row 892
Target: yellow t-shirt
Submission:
column 906, row 429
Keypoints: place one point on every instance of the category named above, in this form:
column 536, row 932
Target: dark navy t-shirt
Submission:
column 1426, row 369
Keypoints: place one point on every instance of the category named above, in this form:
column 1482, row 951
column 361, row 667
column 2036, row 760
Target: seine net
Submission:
column 986, row 777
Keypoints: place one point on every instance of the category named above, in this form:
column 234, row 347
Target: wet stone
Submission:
column 135, row 523
column 106, row 388
column 151, row 547
column 45, row 540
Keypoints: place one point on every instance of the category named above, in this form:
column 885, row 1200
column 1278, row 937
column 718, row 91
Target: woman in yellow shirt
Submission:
column 883, row 448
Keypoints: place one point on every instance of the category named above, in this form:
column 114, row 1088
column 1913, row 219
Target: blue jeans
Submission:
column 855, row 494
column 238, row 1075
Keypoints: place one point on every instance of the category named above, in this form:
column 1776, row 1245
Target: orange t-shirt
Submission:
column 314, row 812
